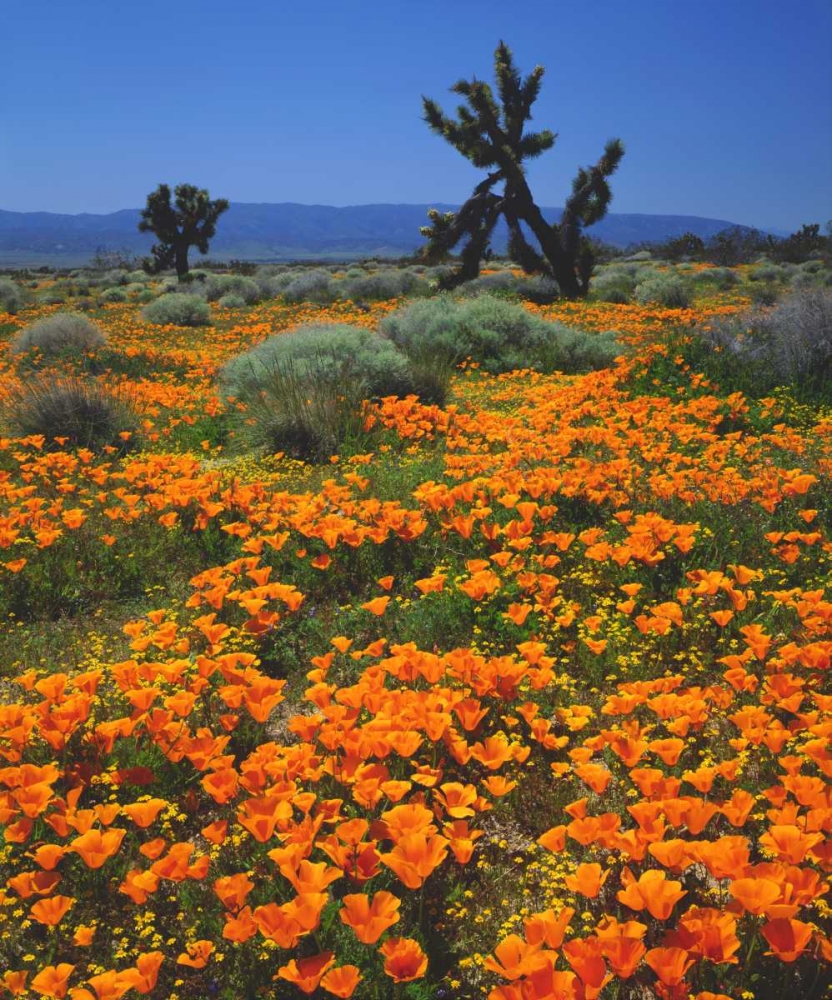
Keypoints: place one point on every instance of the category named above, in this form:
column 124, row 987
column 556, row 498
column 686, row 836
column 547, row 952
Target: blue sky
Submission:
column 725, row 106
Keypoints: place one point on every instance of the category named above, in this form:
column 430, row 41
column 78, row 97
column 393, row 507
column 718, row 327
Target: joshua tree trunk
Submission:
column 182, row 261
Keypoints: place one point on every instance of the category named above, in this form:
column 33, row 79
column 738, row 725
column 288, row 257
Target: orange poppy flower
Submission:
column 196, row 955
column 53, row 981
column 653, row 891
column 369, row 920
column 342, row 982
column 669, row 964
column 306, row 973
column 587, row 880
column 51, row 911
column 789, row 939
column 404, row 959
column 95, row 848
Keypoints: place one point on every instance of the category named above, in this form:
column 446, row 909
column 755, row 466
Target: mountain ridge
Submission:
column 276, row 231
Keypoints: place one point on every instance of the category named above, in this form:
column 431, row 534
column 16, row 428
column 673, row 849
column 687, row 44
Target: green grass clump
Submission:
column 70, row 410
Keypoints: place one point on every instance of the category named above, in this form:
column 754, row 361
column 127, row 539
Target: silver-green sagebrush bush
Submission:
column 178, row 310
column 788, row 345
column 305, row 389
column 665, row 289
column 12, row 296
column 499, row 336
column 60, row 334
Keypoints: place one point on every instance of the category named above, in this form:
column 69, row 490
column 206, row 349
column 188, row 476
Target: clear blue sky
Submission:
column 725, row 105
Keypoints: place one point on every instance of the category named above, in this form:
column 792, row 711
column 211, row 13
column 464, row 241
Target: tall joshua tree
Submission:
column 492, row 137
column 190, row 222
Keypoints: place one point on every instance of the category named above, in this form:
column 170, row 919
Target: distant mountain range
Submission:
column 288, row 231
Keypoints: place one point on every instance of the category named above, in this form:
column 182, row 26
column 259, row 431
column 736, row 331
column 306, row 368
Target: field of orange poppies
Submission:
column 526, row 700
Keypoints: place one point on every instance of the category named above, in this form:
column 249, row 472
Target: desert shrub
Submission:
column 720, row 277
column 767, row 273
column 499, row 282
column 311, row 286
column 538, row 288
column 217, row 286
column 640, row 256
column 615, row 284
column 51, row 297
column 499, row 335
column 790, row 344
column 764, row 294
column 664, row 289
column 305, row 388
column 82, row 410
column 12, row 297
column 59, row 334
column 382, row 285
column 178, row 310
column 380, row 367
column 233, row 301
column 114, row 295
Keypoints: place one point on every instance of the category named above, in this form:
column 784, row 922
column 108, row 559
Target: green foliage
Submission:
column 81, row 410
column 305, row 389
column 390, row 283
column 233, row 301
column 665, row 289
column 218, row 286
column 178, row 310
column 614, row 284
column 789, row 345
column 190, row 222
column 310, row 286
column 12, row 297
column 498, row 335
column 114, row 295
column 60, row 334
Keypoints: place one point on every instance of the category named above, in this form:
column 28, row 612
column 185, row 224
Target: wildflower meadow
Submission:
column 515, row 691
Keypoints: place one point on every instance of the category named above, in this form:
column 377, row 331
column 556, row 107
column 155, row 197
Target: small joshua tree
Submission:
column 191, row 222
column 491, row 136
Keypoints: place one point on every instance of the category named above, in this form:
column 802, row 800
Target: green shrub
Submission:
column 82, row 410
column 500, row 336
column 720, row 277
column 219, row 286
column 614, row 284
column 60, row 334
column 114, row 295
column 664, row 289
column 178, row 310
column 311, row 286
column 382, row 285
column 305, row 389
column 790, row 344
column 322, row 348
column 12, row 298
column 764, row 294
column 51, row 297
column 232, row 301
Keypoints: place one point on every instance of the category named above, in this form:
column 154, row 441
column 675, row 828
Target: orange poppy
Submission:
column 369, row 920
column 404, row 959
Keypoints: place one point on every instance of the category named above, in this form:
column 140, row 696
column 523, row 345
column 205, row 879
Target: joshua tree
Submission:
column 491, row 136
column 191, row 222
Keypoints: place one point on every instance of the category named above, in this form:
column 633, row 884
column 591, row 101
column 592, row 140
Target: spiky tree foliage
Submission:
column 190, row 222
column 491, row 135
